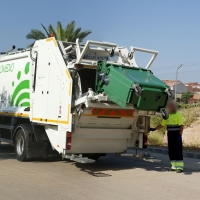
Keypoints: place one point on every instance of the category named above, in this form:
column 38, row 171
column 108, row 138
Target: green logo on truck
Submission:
column 24, row 98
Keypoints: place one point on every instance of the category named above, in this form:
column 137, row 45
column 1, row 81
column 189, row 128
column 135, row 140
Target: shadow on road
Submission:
column 6, row 152
column 116, row 163
column 111, row 162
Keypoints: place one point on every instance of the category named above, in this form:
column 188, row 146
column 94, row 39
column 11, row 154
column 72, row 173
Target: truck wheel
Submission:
column 20, row 148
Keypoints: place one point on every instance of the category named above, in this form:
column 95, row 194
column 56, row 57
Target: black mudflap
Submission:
column 37, row 151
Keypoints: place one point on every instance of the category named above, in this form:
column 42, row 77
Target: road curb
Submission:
column 186, row 154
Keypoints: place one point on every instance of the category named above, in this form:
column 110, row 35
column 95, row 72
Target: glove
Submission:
column 152, row 129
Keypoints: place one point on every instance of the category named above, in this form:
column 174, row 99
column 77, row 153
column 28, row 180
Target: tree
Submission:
column 69, row 34
column 186, row 96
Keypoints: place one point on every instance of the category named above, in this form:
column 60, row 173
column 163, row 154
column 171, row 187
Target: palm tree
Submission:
column 69, row 34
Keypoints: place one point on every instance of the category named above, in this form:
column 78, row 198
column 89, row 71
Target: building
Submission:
column 194, row 99
column 180, row 88
column 193, row 87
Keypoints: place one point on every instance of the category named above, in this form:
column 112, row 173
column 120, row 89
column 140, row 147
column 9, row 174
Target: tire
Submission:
column 20, row 146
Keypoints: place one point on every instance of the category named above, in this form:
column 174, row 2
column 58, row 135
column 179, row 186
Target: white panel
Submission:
column 102, row 145
column 38, row 111
column 54, row 88
column 56, row 137
column 40, row 95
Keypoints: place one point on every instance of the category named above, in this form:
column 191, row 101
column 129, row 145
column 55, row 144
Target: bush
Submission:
column 186, row 96
column 189, row 116
column 194, row 105
column 155, row 138
column 155, row 121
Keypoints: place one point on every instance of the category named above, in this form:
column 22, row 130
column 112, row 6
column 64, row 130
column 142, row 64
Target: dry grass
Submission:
column 155, row 138
column 155, row 121
column 191, row 135
column 189, row 116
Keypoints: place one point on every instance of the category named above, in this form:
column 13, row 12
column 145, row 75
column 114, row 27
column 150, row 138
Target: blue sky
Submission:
column 171, row 27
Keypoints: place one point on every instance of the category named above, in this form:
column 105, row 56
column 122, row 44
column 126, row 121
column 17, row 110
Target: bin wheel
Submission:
column 100, row 75
column 138, row 90
column 170, row 94
column 20, row 148
column 165, row 114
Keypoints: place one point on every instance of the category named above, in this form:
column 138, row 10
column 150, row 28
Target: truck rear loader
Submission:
column 82, row 100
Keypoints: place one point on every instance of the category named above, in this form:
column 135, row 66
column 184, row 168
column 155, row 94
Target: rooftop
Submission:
column 171, row 83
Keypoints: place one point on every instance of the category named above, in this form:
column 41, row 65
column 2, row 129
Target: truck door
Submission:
column 39, row 105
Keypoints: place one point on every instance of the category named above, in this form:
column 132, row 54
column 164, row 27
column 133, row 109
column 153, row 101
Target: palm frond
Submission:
column 60, row 31
column 36, row 35
column 69, row 31
column 45, row 29
column 69, row 34
column 83, row 35
column 75, row 35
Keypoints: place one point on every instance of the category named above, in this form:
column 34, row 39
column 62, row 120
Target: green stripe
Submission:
column 173, row 163
column 23, row 85
column 21, row 97
column 180, row 165
column 25, row 104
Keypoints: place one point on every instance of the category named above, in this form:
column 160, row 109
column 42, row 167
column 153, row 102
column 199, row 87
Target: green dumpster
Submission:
column 129, row 85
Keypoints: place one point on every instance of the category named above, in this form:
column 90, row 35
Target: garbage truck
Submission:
column 82, row 100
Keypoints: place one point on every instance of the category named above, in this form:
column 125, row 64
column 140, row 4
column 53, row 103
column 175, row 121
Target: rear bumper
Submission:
column 87, row 140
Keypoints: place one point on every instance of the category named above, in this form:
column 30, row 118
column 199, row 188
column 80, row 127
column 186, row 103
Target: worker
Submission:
column 174, row 126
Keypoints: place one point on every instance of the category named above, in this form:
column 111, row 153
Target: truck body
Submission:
column 77, row 98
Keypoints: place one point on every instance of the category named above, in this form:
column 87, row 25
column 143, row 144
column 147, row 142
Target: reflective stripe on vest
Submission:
column 174, row 127
column 180, row 165
column 173, row 163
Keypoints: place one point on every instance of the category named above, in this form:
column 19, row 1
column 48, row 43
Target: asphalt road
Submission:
column 111, row 177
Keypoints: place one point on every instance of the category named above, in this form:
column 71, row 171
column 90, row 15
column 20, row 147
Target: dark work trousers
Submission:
column 175, row 145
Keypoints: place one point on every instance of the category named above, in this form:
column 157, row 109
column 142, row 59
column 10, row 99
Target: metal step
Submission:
column 146, row 157
column 79, row 159
column 6, row 140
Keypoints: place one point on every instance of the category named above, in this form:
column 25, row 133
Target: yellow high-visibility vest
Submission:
column 174, row 122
